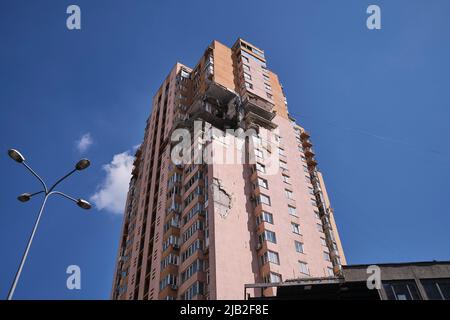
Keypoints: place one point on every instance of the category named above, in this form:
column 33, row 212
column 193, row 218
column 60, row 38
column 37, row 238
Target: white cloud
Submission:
column 85, row 142
column 112, row 192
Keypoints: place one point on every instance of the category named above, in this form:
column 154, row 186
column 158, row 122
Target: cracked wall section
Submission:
column 223, row 201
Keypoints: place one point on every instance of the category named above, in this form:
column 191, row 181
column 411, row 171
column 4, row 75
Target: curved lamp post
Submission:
column 24, row 197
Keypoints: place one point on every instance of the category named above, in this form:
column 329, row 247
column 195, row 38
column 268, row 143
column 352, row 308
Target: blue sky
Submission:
column 376, row 103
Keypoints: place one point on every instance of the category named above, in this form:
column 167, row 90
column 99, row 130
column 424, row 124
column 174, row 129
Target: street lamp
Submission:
column 24, row 197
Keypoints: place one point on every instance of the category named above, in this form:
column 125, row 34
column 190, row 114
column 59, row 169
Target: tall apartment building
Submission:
column 204, row 229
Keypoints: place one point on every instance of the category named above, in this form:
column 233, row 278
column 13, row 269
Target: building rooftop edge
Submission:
column 397, row 264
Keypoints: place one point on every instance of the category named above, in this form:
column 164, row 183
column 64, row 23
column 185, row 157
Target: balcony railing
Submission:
column 267, row 106
column 304, row 135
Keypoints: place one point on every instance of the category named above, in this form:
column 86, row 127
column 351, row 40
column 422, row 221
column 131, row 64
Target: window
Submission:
column 173, row 222
column 330, row 272
column 292, row 210
column 196, row 266
column 264, row 199
column 192, row 291
column 171, row 241
column 245, row 59
column 169, row 279
column 316, row 213
column 319, row 227
column 267, row 236
column 198, row 175
column 257, row 52
column 196, row 209
column 273, row 257
column 268, row 87
column 209, row 66
column 401, row 290
column 283, row 165
column 184, row 74
column 298, row 247
column 295, row 227
column 323, row 242
column 269, row 95
column 326, row 256
column 196, row 245
column 196, row 192
column 170, row 259
column 264, row 217
column 257, row 141
column 288, row 194
column 286, row 179
column 260, row 167
column 247, row 76
column 258, row 154
column 246, row 67
column 437, row 289
column 263, row 183
column 303, row 267
column 281, row 152
column 272, row 278
column 248, row 85
column 198, row 225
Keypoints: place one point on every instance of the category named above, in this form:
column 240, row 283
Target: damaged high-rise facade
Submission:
column 202, row 229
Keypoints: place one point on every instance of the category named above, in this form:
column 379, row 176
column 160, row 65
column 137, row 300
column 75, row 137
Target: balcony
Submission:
column 306, row 144
column 254, row 101
column 326, row 225
column 169, row 268
column 304, row 135
column 311, row 162
column 173, row 211
column 174, row 203
column 252, row 118
column 309, row 152
column 217, row 101
column 260, row 246
column 173, row 184
column 258, row 111
column 172, row 227
column 334, row 254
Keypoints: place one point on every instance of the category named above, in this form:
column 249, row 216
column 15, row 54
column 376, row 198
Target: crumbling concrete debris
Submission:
column 223, row 200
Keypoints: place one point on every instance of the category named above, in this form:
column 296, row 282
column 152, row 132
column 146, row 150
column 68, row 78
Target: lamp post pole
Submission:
column 25, row 254
column 17, row 156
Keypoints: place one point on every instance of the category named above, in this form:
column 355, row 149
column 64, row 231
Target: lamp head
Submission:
column 82, row 164
column 24, row 197
column 83, row 204
column 16, row 155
